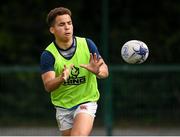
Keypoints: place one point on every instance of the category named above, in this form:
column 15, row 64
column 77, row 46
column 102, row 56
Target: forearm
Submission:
column 103, row 72
column 53, row 84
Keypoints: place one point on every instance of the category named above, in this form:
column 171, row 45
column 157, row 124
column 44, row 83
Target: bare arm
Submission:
column 103, row 70
column 51, row 82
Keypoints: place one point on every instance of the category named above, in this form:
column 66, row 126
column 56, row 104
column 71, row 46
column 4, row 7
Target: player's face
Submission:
column 62, row 28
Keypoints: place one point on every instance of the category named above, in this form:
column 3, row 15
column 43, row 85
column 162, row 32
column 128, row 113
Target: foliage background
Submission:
column 24, row 32
column 24, row 35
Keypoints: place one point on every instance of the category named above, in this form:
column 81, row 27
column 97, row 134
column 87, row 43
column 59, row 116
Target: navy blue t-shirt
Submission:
column 47, row 59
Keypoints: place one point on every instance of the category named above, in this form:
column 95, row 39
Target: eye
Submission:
column 70, row 23
column 61, row 24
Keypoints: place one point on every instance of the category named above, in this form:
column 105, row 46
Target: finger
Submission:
column 95, row 57
column 100, row 64
column 65, row 67
column 91, row 57
column 83, row 65
column 66, row 74
column 71, row 66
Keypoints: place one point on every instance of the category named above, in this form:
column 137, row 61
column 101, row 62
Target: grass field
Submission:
column 53, row 131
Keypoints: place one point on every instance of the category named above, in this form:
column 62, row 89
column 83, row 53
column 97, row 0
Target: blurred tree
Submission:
column 24, row 33
column 154, row 22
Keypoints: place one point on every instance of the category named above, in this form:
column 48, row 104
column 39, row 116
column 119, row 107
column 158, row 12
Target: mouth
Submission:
column 67, row 34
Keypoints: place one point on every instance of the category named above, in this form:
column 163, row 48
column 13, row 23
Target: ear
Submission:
column 51, row 29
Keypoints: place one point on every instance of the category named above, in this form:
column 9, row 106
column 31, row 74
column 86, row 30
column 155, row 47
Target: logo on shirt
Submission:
column 74, row 79
column 83, row 107
column 75, row 72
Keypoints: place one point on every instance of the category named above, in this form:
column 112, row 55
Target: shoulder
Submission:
column 90, row 41
column 92, row 47
column 46, row 61
column 46, row 54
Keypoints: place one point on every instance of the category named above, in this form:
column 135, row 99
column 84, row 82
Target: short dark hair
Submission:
column 55, row 12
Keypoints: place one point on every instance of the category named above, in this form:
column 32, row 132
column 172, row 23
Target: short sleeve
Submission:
column 46, row 62
column 92, row 47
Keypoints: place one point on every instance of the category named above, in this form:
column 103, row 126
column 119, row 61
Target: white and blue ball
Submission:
column 134, row 52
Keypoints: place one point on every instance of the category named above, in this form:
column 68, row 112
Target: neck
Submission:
column 64, row 44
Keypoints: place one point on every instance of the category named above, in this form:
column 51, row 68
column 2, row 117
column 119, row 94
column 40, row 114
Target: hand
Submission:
column 65, row 73
column 94, row 64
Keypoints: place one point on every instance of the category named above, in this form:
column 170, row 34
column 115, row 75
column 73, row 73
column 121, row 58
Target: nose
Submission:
column 67, row 26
